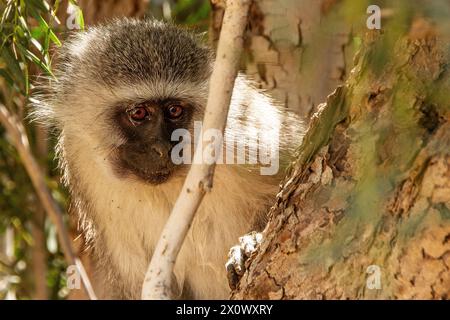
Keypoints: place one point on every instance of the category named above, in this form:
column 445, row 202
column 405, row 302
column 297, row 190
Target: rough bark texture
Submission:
column 370, row 186
column 292, row 51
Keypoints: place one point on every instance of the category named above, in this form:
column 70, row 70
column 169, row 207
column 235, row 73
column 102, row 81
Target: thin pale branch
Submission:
column 17, row 134
column 157, row 283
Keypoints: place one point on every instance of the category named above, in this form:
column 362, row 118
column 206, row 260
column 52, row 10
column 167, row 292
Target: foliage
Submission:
column 26, row 37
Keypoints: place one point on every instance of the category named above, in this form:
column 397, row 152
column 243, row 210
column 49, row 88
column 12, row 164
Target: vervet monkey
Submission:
column 121, row 90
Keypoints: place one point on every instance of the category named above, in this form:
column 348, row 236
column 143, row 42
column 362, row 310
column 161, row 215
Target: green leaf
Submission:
column 36, row 44
column 13, row 65
column 41, row 5
column 32, row 57
column 54, row 38
column 6, row 13
column 7, row 77
column 46, row 29
column 79, row 17
column 24, row 25
column 37, row 32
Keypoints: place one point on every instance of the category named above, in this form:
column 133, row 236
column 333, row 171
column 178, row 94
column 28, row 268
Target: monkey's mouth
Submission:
column 138, row 166
column 152, row 177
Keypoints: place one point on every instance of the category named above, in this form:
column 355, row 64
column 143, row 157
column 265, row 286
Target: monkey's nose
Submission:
column 159, row 150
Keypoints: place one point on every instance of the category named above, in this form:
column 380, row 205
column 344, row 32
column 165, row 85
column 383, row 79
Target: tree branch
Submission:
column 157, row 283
column 17, row 133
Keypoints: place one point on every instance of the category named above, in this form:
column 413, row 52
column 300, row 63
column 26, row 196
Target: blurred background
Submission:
column 299, row 51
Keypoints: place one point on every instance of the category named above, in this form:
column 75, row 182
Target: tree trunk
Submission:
column 295, row 50
column 369, row 193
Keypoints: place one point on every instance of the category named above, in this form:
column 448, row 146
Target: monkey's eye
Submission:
column 174, row 111
column 138, row 114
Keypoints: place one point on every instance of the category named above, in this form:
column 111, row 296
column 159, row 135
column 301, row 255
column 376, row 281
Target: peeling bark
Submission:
column 292, row 51
column 370, row 185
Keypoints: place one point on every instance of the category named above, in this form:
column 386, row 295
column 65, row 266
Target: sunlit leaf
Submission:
column 32, row 57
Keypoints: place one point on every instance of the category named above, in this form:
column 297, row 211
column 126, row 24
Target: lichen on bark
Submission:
column 370, row 184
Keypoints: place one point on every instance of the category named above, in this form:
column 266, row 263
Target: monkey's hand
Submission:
column 238, row 255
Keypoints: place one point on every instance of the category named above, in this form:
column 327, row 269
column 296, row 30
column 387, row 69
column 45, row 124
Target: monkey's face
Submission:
column 147, row 127
column 123, row 89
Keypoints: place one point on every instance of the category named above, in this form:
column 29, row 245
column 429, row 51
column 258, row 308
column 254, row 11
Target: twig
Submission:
column 157, row 283
column 17, row 133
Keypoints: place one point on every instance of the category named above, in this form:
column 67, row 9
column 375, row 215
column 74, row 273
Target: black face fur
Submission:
column 147, row 127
